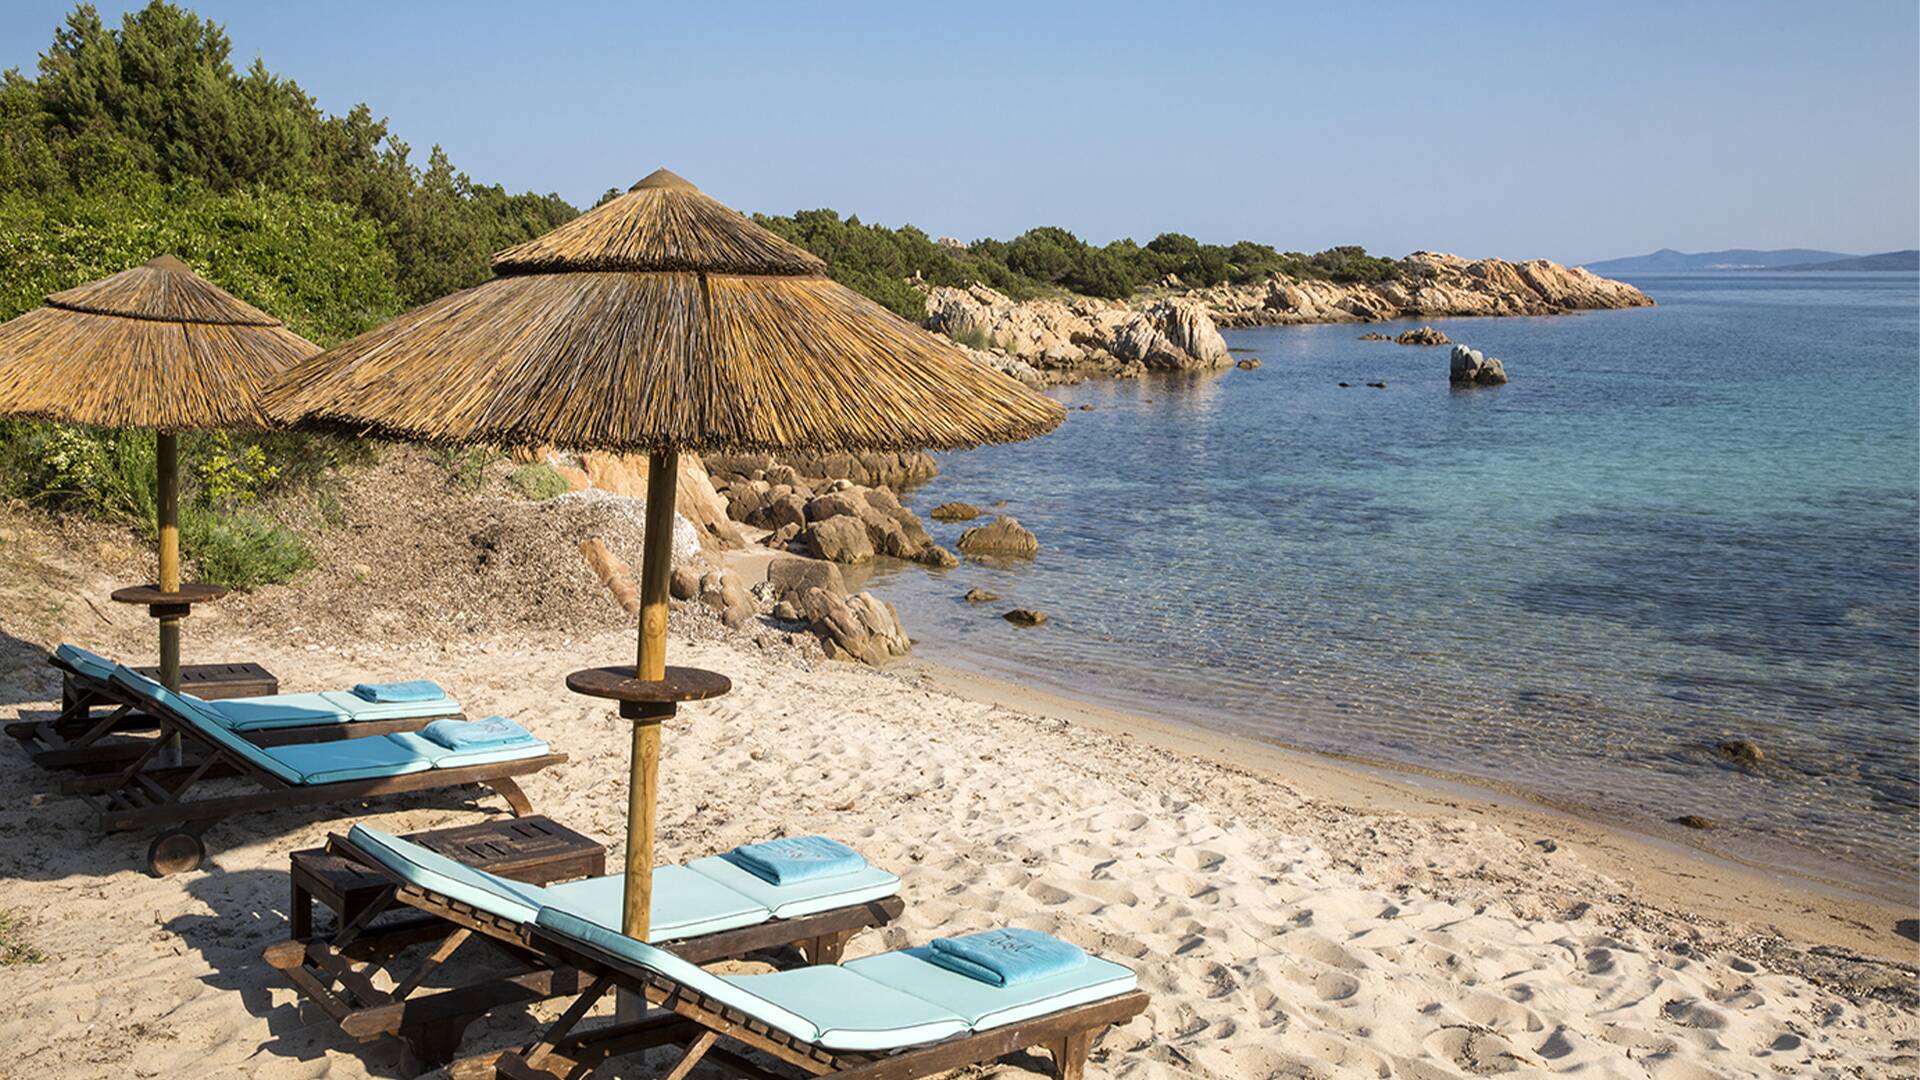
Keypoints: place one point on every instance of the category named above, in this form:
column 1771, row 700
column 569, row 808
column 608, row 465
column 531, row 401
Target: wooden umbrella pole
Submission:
column 167, row 453
column 656, row 571
column 167, row 457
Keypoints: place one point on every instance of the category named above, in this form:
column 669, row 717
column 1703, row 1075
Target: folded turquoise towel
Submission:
column 488, row 734
column 796, row 858
column 411, row 690
column 1006, row 957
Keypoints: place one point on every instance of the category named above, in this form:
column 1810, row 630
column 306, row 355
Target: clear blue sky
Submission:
column 1554, row 130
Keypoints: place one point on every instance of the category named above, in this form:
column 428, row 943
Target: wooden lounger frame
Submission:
column 142, row 793
column 698, row 1023
column 79, row 739
column 432, row 1025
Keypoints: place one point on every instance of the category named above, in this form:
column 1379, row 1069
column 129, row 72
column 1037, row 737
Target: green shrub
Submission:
column 108, row 474
column 972, row 337
column 241, row 550
column 539, row 482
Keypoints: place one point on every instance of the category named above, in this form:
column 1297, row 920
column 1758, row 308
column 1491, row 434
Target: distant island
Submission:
column 1908, row 260
column 1667, row 260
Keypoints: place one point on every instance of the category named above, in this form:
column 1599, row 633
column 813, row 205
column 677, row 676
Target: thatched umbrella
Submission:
column 660, row 321
column 155, row 347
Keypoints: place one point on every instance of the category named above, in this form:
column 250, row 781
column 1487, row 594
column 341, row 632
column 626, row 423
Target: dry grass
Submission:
column 662, row 319
column 155, row 347
column 14, row 950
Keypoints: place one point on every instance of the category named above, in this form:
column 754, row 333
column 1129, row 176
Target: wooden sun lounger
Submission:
column 336, row 972
column 84, row 738
column 143, row 794
column 700, row 1025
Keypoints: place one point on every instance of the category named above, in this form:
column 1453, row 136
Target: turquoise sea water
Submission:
column 1677, row 526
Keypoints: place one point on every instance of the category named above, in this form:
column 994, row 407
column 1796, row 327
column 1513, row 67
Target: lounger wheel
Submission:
column 175, row 853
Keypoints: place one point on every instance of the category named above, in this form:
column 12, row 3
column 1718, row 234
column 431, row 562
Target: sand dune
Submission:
column 1281, row 934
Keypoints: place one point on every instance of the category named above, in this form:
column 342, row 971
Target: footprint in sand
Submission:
column 1199, row 859
column 1335, row 986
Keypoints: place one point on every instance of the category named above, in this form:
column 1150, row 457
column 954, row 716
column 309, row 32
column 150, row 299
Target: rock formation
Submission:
column 1439, row 285
column 1425, row 335
column 954, row 511
column 887, row 527
column 868, row 469
column 1049, row 341
column 850, row 626
column 1470, row 368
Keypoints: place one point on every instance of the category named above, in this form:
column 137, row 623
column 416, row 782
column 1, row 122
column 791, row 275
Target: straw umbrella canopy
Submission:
column 661, row 321
column 155, row 347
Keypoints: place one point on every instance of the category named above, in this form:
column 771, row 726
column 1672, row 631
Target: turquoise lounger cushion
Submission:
column 802, row 898
column 439, row 757
column 277, row 711
column 350, row 759
column 90, row 664
column 192, row 711
column 685, row 904
column 827, row 1004
column 851, row 1012
column 985, row 1006
column 416, row 865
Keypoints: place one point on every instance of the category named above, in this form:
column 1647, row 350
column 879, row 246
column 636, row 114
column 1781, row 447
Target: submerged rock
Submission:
column 1248, row 364
column 955, row 511
column 1025, row 617
column 1374, row 335
column 1742, row 752
column 1694, row 821
column 980, row 596
column 1426, row 335
column 1004, row 536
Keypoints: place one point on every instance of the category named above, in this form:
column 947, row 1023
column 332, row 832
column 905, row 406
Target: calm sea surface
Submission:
column 1676, row 527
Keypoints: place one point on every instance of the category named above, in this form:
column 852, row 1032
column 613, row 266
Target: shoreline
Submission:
column 1662, row 871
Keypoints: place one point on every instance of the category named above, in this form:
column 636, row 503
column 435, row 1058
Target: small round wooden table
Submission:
column 168, row 605
column 649, row 700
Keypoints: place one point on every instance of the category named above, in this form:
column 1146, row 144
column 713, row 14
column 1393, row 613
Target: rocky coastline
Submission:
column 1052, row 341
column 1441, row 286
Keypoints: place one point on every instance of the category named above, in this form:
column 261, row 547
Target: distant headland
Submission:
column 1669, row 261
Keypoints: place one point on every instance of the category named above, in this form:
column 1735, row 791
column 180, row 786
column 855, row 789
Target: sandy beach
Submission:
column 1291, row 916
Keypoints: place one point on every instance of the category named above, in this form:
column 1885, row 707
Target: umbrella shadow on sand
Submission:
column 26, row 678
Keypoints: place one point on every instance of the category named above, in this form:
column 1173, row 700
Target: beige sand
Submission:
column 1284, row 929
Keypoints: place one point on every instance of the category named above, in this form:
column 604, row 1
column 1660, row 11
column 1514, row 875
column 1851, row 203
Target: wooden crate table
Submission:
column 536, row 850
column 212, row 682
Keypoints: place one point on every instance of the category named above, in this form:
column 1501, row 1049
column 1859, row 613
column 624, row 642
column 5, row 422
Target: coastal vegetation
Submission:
column 1048, row 261
column 145, row 138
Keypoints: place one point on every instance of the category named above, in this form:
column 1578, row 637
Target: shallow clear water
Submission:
column 1676, row 526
